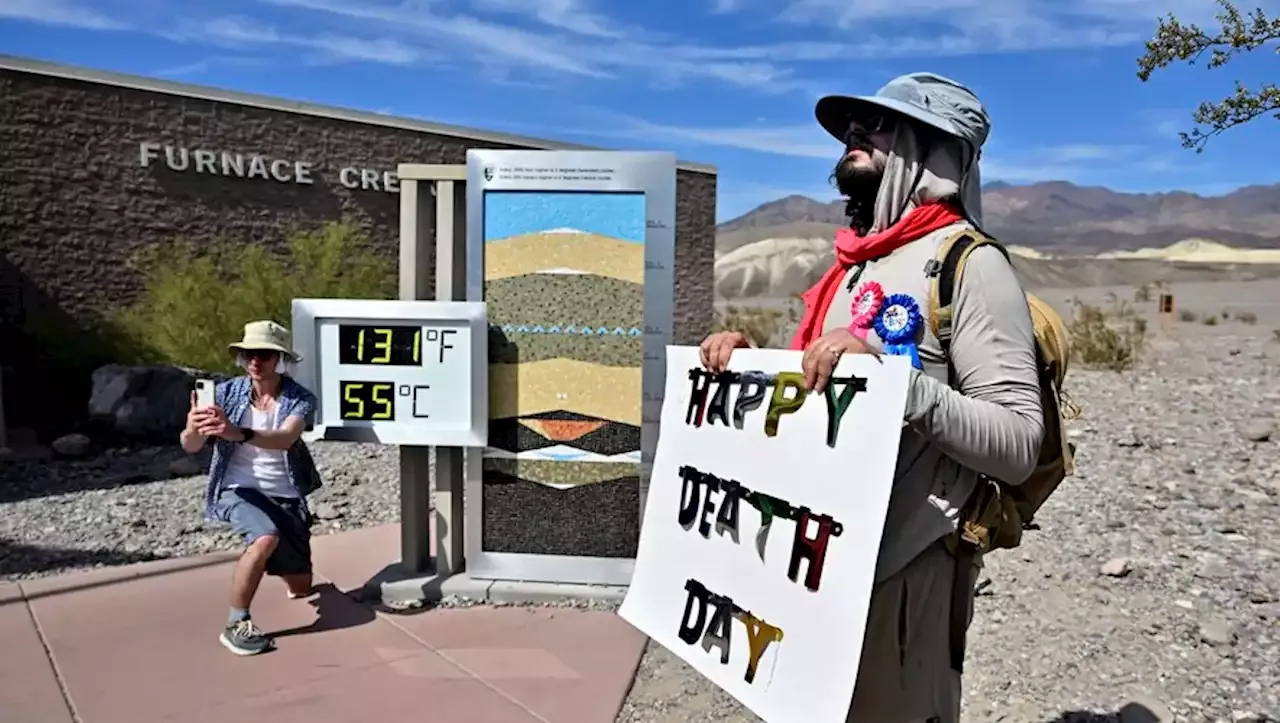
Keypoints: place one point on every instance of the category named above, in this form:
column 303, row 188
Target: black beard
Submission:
column 860, row 186
column 856, row 183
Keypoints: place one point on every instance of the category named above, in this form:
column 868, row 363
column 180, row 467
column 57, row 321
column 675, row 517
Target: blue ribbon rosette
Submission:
column 897, row 325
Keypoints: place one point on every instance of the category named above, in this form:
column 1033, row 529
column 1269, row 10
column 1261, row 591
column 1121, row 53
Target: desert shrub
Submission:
column 1186, row 315
column 758, row 324
column 1246, row 317
column 1226, row 314
column 1142, row 294
column 1111, row 338
column 1275, row 334
column 196, row 299
column 1209, row 320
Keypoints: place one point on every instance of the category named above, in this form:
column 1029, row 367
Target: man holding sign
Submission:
column 909, row 169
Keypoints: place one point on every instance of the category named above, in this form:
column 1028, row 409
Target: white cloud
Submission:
column 801, row 141
column 322, row 48
column 59, row 12
column 724, row 7
column 1069, row 161
column 568, row 15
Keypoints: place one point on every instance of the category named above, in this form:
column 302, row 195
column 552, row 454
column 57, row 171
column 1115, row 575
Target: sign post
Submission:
column 573, row 253
column 1166, row 310
column 411, row 372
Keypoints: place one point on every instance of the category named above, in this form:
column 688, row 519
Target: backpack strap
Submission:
column 944, row 269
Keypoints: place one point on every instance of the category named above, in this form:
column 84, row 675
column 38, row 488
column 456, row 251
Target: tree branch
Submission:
column 1175, row 41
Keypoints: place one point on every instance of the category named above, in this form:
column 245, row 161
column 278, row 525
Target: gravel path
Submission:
column 1155, row 577
column 127, row 506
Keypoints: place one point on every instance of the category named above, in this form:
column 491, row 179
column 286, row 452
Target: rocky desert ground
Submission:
column 1150, row 593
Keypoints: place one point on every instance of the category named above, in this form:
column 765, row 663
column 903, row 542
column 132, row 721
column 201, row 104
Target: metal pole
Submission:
column 4, row 434
column 417, row 222
column 451, row 285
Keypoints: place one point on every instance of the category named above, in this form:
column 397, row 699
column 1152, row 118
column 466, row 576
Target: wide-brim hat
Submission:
column 266, row 336
column 928, row 98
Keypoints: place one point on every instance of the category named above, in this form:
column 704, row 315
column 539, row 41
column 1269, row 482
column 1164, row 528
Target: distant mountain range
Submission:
column 1055, row 217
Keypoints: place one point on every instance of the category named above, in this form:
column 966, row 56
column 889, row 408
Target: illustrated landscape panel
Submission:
column 564, row 288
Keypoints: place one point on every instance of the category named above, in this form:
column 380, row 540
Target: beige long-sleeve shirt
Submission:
column 991, row 424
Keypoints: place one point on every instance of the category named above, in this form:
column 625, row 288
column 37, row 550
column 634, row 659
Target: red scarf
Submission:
column 853, row 249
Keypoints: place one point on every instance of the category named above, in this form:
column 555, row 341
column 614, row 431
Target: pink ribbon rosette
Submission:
column 865, row 306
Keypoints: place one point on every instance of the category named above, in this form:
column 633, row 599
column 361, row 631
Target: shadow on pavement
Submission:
column 21, row 559
column 1129, row 713
column 335, row 610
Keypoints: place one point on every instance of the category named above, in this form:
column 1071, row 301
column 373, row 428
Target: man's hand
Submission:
column 717, row 348
column 820, row 358
column 216, row 424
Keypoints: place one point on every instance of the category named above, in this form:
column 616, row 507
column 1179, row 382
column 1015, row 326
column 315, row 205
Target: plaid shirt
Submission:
column 294, row 400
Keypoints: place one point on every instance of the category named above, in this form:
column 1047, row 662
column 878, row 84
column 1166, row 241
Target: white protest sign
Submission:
column 759, row 544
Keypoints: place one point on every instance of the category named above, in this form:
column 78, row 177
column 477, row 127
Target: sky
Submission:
column 516, row 213
column 730, row 83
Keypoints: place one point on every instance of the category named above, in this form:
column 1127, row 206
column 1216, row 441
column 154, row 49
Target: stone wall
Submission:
column 77, row 204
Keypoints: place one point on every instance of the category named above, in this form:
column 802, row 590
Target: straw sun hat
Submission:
column 266, row 336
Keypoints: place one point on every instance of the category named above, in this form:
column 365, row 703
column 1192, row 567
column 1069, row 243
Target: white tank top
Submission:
column 257, row 468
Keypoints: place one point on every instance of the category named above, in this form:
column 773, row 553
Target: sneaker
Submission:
column 244, row 638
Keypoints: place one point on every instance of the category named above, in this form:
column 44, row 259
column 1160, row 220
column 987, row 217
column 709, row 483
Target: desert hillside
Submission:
column 1058, row 217
column 781, row 267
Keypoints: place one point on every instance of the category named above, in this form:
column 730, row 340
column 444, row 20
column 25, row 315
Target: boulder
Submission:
column 143, row 402
column 72, row 445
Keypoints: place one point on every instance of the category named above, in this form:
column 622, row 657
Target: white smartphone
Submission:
column 204, row 393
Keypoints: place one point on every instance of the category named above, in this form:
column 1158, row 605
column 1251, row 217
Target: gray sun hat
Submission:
column 926, row 97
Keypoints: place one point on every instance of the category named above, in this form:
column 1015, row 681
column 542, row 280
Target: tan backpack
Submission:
column 998, row 513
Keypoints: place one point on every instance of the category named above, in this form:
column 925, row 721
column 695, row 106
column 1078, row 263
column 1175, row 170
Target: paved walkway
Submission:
column 138, row 644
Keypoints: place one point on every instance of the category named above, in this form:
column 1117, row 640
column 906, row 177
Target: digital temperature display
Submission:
column 394, row 372
column 399, row 346
column 376, row 401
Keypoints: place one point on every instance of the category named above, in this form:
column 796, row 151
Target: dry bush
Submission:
column 1142, row 294
column 1108, row 338
column 197, row 298
column 1186, row 315
column 764, row 327
column 1247, row 317
column 1209, row 320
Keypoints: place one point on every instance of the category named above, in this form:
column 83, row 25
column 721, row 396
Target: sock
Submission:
column 237, row 615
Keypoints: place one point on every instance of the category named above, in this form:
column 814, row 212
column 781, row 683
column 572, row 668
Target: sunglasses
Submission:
column 260, row 354
column 862, row 129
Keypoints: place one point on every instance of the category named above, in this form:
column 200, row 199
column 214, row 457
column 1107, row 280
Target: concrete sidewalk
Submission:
column 138, row 644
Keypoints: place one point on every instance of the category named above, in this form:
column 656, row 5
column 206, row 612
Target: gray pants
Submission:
column 906, row 674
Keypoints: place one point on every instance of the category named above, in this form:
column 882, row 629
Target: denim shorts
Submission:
column 253, row 515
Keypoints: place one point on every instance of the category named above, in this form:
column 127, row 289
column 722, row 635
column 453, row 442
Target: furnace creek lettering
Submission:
column 252, row 165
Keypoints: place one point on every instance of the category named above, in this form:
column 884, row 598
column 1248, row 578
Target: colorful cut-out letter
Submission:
column 701, row 380
column 780, row 403
column 731, row 492
column 838, row 404
column 690, row 495
column 710, row 483
column 812, row 549
column 718, row 630
column 759, row 635
column 690, row 627
column 719, row 407
column 752, row 386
